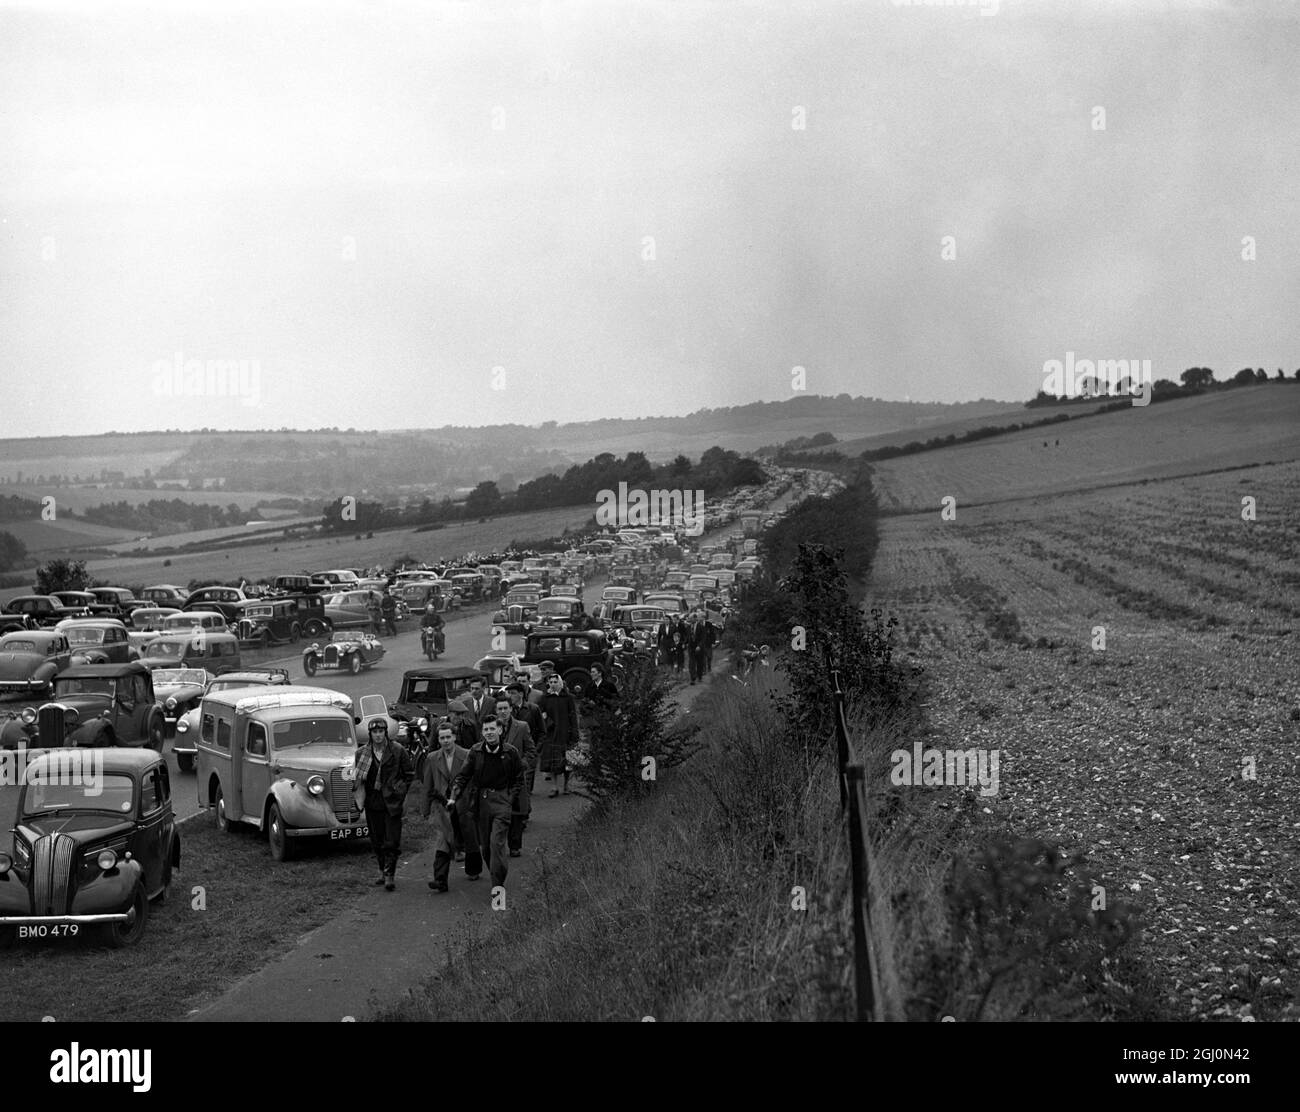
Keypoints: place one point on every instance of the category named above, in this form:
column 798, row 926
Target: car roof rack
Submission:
column 282, row 697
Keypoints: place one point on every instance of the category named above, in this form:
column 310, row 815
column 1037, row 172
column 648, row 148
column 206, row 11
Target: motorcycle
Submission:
column 432, row 641
column 413, row 733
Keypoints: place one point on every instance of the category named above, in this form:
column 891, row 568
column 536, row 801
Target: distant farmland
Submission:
column 1184, row 437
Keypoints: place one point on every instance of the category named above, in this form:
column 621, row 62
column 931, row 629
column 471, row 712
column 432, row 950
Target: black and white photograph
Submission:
column 650, row 511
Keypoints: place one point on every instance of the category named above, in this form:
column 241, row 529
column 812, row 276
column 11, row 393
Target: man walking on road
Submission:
column 481, row 705
column 515, row 732
column 696, row 646
column 440, row 772
column 384, row 774
column 496, row 772
column 527, row 713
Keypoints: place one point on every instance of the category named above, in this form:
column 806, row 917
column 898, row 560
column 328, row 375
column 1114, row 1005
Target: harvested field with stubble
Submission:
column 1169, row 757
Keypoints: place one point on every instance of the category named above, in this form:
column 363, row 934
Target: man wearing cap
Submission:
column 496, row 771
column 384, row 772
column 543, row 685
column 466, row 727
column 440, row 772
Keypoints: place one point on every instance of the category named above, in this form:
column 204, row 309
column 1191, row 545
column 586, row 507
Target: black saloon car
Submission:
column 95, row 841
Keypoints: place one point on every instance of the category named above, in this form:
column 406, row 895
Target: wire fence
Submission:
column 853, row 806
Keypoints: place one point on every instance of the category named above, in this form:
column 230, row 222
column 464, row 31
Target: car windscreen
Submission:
column 82, row 685
column 181, row 623
column 554, row 606
column 311, row 731
column 173, row 676
column 226, row 685
column 105, row 791
column 167, row 650
column 85, row 636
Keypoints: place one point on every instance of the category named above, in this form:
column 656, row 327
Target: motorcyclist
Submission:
column 388, row 607
column 432, row 620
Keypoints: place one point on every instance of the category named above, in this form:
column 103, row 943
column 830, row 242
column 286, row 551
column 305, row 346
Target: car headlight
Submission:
column 171, row 702
column 106, row 859
column 28, row 715
column 182, row 726
column 6, row 863
column 316, row 786
column 423, row 723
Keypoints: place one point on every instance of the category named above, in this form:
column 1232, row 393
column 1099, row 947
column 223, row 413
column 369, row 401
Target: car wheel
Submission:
column 309, row 664
column 157, row 734
column 313, row 628
column 295, row 633
column 354, row 663
column 223, row 819
column 185, row 762
column 575, row 679
column 281, row 843
column 130, row 932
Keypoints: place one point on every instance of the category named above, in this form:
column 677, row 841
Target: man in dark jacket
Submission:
column 388, row 608
column 697, row 645
column 439, row 774
column 602, row 688
column 516, row 732
column 384, row 772
column 496, row 771
column 527, row 713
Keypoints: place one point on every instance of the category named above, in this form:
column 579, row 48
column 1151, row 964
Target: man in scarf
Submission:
column 384, row 772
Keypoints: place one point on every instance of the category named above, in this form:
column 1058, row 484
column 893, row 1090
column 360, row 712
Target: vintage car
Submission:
column 565, row 590
column 44, row 610
column 674, row 602
column 676, row 579
column 99, row 705
column 217, row 651
column 348, row 651
column 91, row 846
column 621, row 595
column 573, row 652
column 426, row 692
column 29, row 661
column 145, row 624
column 227, row 601
column 184, row 744
column 264, row 624
column 187, row 621
column 416, row 593
column 519, row 610
column 312, row 619
column 165, row 594
column 86, row 602
column 558, row 612
column 501, row 668
column 120, row 598
column 97, row 640
column 291, row 585
column 331, row 582
column 350, row 609
column 179, row 690
column 283, row 760
column 10, row 623
column 469, row 584
column 642, row 623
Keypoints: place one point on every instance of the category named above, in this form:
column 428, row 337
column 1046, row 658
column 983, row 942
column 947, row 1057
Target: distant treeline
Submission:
column 1195, row 380
column 158, row 515
column 718, row 472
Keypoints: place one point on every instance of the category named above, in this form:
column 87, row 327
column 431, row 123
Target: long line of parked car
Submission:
column 103, row 687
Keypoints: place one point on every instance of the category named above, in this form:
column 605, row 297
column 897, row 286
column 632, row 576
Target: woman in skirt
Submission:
column 560, row 715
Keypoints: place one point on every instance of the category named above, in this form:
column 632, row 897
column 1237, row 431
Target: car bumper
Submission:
column 59, row 920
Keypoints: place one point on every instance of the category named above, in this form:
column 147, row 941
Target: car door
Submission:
column 153, row 828
column 254, row 769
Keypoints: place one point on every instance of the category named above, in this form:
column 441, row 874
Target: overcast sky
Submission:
column 381, row 203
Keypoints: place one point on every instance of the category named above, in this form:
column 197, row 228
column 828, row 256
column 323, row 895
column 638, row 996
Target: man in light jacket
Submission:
column 441, row 768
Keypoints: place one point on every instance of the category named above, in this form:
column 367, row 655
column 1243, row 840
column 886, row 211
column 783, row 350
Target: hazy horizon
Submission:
column 441, row 209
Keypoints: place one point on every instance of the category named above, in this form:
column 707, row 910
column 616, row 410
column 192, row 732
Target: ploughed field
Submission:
column 1139, row 755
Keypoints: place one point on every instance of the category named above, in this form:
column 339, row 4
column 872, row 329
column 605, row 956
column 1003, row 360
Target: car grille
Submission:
column 514, row 613
column 52, row 858
column 331, row 655
column 49, row 723
column 341, row 797
column 245, row 630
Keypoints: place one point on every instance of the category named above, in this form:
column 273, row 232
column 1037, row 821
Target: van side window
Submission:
column 223, row 734
column 205, row 732
column 256, row 746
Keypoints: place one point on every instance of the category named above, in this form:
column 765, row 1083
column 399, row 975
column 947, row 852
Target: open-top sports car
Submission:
column 350, row 650
column 179, row 690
